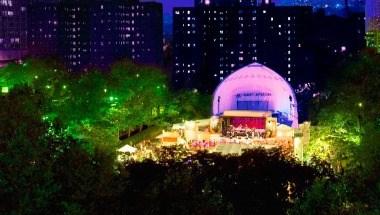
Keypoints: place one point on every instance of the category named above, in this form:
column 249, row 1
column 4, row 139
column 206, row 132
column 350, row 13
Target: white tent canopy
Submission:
column 127, row 148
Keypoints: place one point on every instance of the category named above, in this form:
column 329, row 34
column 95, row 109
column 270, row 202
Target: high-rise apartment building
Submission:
column 225, row 3
column 210, row 42
column 74, row 34
column 93, row 34
column 13, row 30
column 372, row 14
column 43, row 26
column 139, row 28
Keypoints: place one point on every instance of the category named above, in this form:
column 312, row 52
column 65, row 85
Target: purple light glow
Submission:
column 261, row 84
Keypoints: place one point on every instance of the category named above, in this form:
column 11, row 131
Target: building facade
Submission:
column 226, row 3
column 139, row 28
column 13, row 30
column 373, row 24
column 43, row 26
column 210, row 42
column 94, row 34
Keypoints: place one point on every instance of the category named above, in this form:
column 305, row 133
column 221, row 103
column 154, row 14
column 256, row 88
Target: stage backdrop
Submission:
column 251, row 122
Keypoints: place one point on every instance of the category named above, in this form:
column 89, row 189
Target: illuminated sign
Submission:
column 257, row 94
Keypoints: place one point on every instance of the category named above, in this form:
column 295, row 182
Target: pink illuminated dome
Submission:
column 257, row 88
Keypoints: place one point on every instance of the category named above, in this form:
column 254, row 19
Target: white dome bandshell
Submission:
column 256, row 83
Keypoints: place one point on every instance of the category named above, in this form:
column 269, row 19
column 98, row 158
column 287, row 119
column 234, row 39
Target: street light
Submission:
column 218, row 105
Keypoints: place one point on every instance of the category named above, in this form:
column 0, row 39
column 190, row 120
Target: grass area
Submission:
column 147, row 134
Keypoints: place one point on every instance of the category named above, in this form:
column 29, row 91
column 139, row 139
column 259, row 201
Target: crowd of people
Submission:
column 232, row 134
column 208, row 144
column 202, row 144
column 245, row 131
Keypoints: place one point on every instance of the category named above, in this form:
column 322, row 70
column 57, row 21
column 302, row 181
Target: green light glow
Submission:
column 360, row 104
column 373, row 40
column 141, row 90
column 5, row 90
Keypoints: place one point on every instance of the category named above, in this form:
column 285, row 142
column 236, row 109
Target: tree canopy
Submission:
column 43, row 170
column 346, row 133
column 98, row 106
column 348, row 111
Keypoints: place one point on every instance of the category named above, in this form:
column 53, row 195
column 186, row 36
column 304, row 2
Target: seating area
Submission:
column 202, row 144
column 245, row 131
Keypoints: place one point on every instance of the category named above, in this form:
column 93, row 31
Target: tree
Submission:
column 192, row 105
column 348, row 112
column 26, row 179
column 257, row 182
column 42, row 169
column 95, row 106
column 348, row 126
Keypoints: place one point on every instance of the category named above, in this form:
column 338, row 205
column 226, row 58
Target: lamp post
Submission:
column 218, row 105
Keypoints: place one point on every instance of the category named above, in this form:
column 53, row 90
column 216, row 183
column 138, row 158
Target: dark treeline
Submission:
column 258, row 182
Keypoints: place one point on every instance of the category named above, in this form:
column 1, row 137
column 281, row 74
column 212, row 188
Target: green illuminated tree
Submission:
column 347, row 135
column 349, row 111
column 192, row 105
column 42, row 74
column 26, row 178
column 42, row 169
column 95, row 106
column 141, row 93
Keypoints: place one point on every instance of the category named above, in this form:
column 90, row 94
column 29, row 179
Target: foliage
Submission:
column 42, row 170
column 45, row 171
column 97, row 107
column 58, row 132
column 95, row 103
column 347, row 135
column 348, row 113
column 255, row 183
column 335, row 138
column 342, row 195
column 193, row 105
column 25, row 170
column 47, row 165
